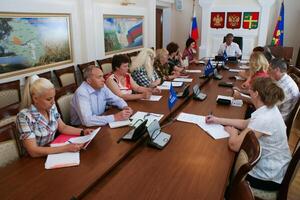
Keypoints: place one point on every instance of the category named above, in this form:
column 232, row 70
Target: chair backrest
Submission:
column 242, row 191
column 10, row 148
column 282, row 52
column 247, row 157
column 290, row 173
column 46, row 75
column 10, row 93
column 238, row 40
column 105, row 65
column 66, row 76
column 292, row 117
column 63, row 99
column 293, row 70
column 298, row 59
column 82, row 66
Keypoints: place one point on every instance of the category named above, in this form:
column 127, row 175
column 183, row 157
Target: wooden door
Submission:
column 159, row 28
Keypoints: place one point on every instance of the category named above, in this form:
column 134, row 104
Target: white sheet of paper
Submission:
column 244, row 67
column 60, row 160
column 144, row 115
column 188, row 80
column 85, row 139
column 200, row 62
column 225, row 97
column 118, row 124
column 244, row 61
column 245, row 95
column 216, row 131
column 193, row 71
column 166, row 85
column 153, row 98
column 239, row 78
column 235, row 70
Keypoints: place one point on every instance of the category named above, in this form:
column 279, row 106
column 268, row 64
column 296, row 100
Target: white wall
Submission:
column 86, row 20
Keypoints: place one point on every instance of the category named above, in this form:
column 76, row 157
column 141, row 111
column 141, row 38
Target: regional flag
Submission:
column 250, row 20
column 277, row 39
column 172, row 98
column 194, row 30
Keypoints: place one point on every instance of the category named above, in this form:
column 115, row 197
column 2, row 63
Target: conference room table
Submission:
column 192, row 165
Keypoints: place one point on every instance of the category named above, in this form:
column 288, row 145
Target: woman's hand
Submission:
column 146, row 95
column 156, row 90
column 246, row 85
column 210, row 119
column 87, row 131
column 237, row 94
column 73, row 147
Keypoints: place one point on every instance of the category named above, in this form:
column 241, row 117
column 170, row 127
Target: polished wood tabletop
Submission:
column 105, row 158
column 192, row 166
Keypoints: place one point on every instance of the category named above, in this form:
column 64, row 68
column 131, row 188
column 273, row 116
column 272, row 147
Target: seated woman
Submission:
column 258, row 68
column 175, row 57
column 39, row 120
column 121, row 83
column 142, row 70
column 162, row 67
column 189, row 50
column 269, row 128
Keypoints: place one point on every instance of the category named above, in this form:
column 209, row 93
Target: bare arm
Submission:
column 237, row 123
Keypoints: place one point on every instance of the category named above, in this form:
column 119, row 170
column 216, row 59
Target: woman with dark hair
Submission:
column 269, row 128
column 175, row 57
column 121, row 83
column 189, row 50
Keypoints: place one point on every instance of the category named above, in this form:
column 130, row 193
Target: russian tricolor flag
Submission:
column 194, row 31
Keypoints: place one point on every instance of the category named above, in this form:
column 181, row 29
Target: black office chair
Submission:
column 238, row 40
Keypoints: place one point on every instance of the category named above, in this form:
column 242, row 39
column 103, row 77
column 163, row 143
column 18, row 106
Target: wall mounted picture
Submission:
column 31, row 42
column 122, row 33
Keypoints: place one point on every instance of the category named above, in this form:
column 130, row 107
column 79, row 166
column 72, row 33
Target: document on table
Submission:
column 192, row 71
column 244, row 67
column 216, row 131
column 143, row 116
column 244, row 61
column 153, row 98
column 60, row 160
column 85, row 139
column 188, row 80
column 166, row 85
column 118, row 124
column 235, row 70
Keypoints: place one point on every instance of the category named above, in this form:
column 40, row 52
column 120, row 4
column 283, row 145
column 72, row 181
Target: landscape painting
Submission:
column 30, row 42
column 122, row 33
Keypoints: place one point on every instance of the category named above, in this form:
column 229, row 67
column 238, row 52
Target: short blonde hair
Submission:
column 160, row 53
column 258, row 62
column 35, row 86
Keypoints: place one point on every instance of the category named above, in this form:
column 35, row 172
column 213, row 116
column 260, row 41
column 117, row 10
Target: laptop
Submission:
column 158, row 139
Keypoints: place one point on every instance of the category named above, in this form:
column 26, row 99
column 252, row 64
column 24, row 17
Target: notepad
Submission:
column 85, row 139
column 118, row 124
column 187, row 80
column 235, row 70
column 167, row 84
column 216, row 131
column 153, row 98
column 244, row 67
column 61, row 139
column 60, row 160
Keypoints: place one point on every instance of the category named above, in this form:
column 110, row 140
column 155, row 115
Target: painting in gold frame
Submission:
column 33, row 41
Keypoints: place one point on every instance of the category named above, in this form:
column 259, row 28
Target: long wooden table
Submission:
column 192, row 166
column 104, row 158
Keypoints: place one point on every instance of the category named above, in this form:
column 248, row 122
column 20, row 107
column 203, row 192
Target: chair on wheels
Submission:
column 66, row 76
column 287, row 179
column 247, row 157
column 10, row 146
column 63, row 99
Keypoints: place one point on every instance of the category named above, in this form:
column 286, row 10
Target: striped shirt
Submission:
column 33, row 125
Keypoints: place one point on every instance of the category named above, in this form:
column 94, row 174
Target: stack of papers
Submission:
column 216, row 131
column 193, row 71
column 143, row 116
column 60, row 160
column 85, row 139
column 153, row 98
column 244, row 67
column 166, row 85
column 118, row 124
column 188, row 80
column 235, row 70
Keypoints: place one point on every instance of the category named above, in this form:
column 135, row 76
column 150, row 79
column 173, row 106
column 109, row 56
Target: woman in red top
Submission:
column 121, row 83
column 189, row 50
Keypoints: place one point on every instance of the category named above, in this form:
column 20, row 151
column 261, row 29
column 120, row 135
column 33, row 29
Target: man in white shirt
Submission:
column 232, row 49
column 91, row 98
column 277, row 71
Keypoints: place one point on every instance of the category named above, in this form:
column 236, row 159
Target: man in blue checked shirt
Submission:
column 90, row 99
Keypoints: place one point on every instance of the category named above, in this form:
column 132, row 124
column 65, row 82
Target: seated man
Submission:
column 232, row 49
column 90, row 99
column 277, row 71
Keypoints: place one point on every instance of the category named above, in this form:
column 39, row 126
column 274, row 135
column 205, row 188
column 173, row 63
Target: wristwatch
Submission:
column 82, row 132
